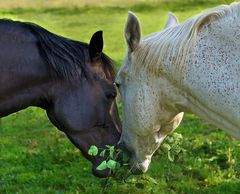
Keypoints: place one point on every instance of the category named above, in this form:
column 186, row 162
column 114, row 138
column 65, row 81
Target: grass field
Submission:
column 36, row 158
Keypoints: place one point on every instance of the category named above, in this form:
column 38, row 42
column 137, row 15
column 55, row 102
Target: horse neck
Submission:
column 28, row 87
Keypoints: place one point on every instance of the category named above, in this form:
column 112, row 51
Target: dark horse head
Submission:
column 71, row 80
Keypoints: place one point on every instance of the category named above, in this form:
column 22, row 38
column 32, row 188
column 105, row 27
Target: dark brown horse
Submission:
column 71, row 80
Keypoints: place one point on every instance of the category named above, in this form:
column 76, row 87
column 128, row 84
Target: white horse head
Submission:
column 180, row 69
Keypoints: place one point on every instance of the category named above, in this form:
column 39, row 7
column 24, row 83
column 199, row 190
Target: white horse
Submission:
column 191, row 67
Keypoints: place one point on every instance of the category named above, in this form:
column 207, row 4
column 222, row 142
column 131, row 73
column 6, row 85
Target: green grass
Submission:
column 37, row 158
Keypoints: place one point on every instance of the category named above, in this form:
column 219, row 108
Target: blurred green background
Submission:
column 36, row 158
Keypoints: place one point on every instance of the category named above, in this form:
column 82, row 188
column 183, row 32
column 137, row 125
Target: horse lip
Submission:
column 100, row 173
column 136, row 171
column 135, row 168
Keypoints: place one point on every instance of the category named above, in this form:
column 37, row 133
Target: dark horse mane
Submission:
column 66, row 57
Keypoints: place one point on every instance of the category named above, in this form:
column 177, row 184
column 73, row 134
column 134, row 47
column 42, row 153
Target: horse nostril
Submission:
column 111, row 94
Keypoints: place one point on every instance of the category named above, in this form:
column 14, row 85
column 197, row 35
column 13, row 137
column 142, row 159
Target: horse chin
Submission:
column 101, row 173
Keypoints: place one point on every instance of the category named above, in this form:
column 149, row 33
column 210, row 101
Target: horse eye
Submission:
column 111, row 94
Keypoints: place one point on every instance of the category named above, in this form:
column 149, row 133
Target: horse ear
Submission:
column 132, row 32
column 96, row 45
column 172, row 20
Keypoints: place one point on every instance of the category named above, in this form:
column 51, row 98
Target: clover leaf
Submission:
column 93, row 150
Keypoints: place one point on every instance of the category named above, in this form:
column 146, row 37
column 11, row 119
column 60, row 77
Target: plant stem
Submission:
column 105, row 186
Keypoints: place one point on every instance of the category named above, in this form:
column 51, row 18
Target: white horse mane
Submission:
column 174, row 43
